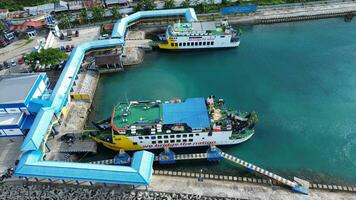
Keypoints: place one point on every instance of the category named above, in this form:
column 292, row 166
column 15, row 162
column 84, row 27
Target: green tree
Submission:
column 83, row 16
column 169, row 4
column 2, row 25
column 51, row 56
column 115, row 12
column 145, row 5
column 98, row 13
column 186, row 4
column 64, row 20
column 201, row 8
column 225, row 2
column 138, row 7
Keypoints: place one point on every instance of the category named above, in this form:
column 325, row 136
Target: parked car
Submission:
column 13, row 63
column 61, row 64
column 104, row 37
column 20, row 61
column 71, row 47
column 48, row 67
column 67, row 48
column 6, row 64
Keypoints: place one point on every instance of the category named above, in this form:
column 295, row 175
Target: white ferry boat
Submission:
column 199, row 35
column 194, row 122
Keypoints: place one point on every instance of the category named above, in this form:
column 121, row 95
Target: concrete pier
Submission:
column 161, row 187
column 76, row 117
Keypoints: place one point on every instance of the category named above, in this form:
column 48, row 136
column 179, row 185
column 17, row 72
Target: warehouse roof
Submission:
column 16, row 88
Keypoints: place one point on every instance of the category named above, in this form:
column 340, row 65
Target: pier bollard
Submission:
column 200, row 177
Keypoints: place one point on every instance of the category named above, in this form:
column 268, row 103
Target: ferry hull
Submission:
column 130, row 144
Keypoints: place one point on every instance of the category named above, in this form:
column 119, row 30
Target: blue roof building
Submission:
column 21, row 98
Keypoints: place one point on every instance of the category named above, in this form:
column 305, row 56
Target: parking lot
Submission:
column 85, row 35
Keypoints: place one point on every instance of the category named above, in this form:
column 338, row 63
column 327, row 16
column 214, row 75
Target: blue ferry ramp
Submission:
column 32, row 164
column 119, row 29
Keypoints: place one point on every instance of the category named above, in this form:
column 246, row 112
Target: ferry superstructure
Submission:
column 194, row 122
column 199, row 35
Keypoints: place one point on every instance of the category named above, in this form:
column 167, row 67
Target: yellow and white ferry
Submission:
column 194, row 122
column 199, row 35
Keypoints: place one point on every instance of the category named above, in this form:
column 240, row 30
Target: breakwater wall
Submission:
column 266, row 15
column 304, row 17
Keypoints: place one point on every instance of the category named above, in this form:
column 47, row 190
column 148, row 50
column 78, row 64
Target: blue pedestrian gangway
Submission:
column 32, row 163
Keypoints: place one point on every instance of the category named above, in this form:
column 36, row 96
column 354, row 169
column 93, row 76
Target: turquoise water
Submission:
column 300, row 77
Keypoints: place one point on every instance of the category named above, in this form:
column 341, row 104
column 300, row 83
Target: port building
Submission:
column 20, row 100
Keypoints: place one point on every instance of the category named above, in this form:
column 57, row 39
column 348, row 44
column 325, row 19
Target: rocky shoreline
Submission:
column 39, row 191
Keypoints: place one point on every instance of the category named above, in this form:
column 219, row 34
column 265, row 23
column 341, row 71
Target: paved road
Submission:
column 17, row 48
column 9, row 151
column 229, row 189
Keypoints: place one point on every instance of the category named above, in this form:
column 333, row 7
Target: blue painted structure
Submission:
column 238, row 9
column 120, row 27
column 167, row 157
column 214, row 154
column 122, row 158
column 139, row 172
column 192, row 111
column 20, row 101
column 32, row 164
